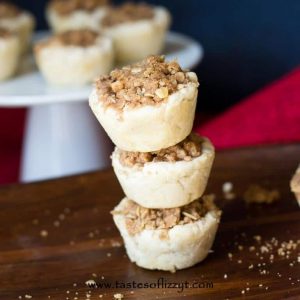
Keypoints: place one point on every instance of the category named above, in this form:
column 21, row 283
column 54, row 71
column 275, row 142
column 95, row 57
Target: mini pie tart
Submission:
column 147, row 106
column 74, row 57
column 9, row 53
column 138, row 30
column 65, row 15
column 295, row 184
column 167, row 239
column 168, row 178
column 19, row 21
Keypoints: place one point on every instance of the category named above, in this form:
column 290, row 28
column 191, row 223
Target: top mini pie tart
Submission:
column 147, row 106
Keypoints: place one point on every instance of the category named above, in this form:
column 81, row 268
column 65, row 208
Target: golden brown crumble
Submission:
column 8, row 10
column 186, row 150
column 128, row 12
column 65, row 7
column 81, row 38
column 258, row 194
column 4, row 33
column 149, row 82
column 139, row 218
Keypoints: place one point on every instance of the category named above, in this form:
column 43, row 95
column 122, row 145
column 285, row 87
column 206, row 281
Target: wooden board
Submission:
column 56, row 235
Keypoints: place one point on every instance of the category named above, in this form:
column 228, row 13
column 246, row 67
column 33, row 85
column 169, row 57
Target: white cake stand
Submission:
column 62, row 136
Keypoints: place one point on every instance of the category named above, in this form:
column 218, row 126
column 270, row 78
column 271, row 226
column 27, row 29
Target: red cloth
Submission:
column 269, row 116
column 11, row 137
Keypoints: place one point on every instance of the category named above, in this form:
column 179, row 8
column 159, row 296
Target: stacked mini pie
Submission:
column 295, row 184
column 148, row 110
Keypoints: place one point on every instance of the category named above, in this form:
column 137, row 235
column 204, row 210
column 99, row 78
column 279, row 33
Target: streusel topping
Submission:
column 8, row 10
column 128, row 12
column 139, row 218
column 81, row 38
column 4, row 33
column 186, row 150
column 65, row 7
column 149, row 82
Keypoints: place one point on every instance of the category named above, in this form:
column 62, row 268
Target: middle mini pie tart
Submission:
column 168, row 178
column 147, row 106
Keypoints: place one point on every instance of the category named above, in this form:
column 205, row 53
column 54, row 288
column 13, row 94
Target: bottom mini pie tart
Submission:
column 74, row 57
column 295, row 184
column 9, row 53
column 167, row 239
column 171, row 177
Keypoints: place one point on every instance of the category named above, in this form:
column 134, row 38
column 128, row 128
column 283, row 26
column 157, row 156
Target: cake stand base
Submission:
column 63, row 139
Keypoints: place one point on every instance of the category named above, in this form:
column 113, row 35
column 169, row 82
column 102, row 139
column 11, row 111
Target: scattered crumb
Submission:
column 44, row 233
column 225, row 276
column 56, row 223
column 118, row 296
column 28, row 296
column 227, row 188
column 258, row 194
column 35, row 222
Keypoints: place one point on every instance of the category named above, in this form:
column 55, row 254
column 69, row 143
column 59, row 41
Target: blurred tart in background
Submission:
column 138, row 30
column 64, row 15
column 74, row 57
column 19, row 21
column 9, row 53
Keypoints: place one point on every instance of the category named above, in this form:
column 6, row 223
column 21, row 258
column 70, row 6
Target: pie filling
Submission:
column 65, row 7
column 148, row 82
column 128, row 12
column 186, row 150
column 138, row 218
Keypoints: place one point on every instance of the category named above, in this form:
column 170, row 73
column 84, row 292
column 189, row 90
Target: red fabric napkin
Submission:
column 269, row 116
column 11, row 138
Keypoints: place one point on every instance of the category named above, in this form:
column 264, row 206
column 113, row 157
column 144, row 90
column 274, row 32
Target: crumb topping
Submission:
column 81, row 38
column 65, row 7
column 186, row 150
column 4, row 33
column 149, row 82
column 257, row 194
column 128, row 12
column 139, row 218
column 8, row 10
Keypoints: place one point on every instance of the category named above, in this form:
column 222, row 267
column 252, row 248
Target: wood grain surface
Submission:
column 56, row 235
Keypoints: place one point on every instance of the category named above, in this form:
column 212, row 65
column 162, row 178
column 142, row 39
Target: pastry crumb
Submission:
column 257, row 194
column 148, row 82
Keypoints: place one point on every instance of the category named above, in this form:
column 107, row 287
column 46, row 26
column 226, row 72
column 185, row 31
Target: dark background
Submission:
column 247, row 43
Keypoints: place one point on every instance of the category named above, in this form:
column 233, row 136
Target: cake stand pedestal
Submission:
column 62, row 139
